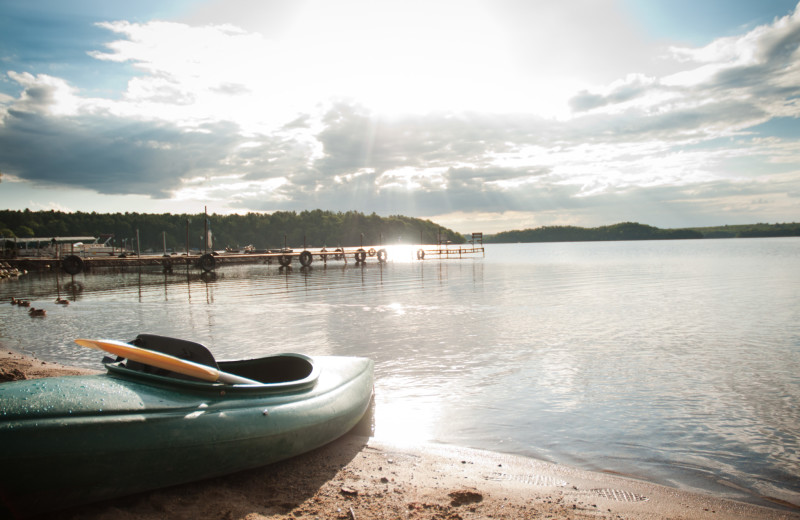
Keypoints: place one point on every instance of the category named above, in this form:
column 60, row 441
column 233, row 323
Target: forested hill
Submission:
column 263, row 231
column 636, row 231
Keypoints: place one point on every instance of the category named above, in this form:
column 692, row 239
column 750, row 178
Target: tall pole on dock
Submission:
column 205, row 240
column 138, row 249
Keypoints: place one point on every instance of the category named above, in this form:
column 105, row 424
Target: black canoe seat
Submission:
column 271, row 369
column 180, row 348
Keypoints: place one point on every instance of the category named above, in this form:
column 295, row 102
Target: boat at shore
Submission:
column 72, row 440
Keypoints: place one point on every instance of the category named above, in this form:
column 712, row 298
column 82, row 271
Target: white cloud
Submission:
column 193, row 75
column 413, row 179
column 44, row 94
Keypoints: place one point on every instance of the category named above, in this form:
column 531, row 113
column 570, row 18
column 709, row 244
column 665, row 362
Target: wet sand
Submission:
column 360, row 478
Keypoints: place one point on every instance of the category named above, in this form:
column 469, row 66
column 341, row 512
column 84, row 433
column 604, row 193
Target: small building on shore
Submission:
column 57, row 247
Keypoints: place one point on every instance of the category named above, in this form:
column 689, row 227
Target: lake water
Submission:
column 676, row 362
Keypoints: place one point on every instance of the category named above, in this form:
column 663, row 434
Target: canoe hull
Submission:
column 150, row 437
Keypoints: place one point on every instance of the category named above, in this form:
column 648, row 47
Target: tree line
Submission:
column 316, row 228
column 636, row 231
column 790, row 229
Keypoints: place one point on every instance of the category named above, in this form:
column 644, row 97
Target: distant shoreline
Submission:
column 628, row 231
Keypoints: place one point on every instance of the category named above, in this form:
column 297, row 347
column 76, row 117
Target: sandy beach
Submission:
column 358, row 477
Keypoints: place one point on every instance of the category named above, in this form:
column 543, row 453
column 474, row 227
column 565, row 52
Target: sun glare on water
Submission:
column 404, row 421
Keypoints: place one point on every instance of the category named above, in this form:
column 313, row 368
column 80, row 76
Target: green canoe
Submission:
column 72, row 440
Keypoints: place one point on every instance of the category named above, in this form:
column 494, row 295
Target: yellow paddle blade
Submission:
column 152, row 358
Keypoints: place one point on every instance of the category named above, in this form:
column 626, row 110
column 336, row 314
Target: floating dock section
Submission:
column 447, row 251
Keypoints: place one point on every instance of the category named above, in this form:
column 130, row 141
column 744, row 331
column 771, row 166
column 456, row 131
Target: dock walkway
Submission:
column 74, row 264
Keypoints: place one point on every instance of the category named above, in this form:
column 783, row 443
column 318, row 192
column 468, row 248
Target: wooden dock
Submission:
column 449, row 252
column 446, row 251
column 75, row 264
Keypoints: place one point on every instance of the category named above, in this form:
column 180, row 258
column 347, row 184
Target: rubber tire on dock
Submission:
column 306, row 258
column 72, row 264
column 360, row 255
column 382, row 255
column 207, row 262
column 284, row 260
column 420, row 254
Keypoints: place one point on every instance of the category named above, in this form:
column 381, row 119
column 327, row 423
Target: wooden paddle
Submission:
column 165, row 361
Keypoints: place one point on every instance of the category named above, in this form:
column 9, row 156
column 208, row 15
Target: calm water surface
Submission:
column 672, row 361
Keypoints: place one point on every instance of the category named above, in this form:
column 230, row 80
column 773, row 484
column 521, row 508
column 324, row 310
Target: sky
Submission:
column 480, row 115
